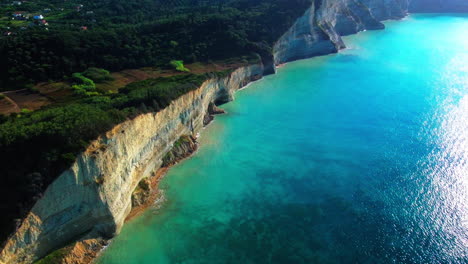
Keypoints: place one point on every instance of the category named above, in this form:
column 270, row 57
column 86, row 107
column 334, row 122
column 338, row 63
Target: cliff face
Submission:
column 387, row 9
column 306, row 38
column 319, row 31
column 94, row 196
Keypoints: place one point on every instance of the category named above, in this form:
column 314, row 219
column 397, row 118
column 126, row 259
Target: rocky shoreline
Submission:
column 88, row 250
column 116, row 178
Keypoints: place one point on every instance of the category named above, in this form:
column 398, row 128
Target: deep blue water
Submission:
column 356, row 157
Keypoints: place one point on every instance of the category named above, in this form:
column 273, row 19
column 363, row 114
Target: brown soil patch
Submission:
column 7, row 106
column 27, row 99
column 122, row 78
column 49, row 88
column 56, row 92
column 125, row 77
column 60, row 92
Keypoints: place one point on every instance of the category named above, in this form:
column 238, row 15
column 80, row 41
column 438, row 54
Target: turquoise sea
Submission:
column 356, row 157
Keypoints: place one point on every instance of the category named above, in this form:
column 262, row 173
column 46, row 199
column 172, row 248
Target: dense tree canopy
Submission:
column 83, row 36
column 129, row 34
column 37, row 146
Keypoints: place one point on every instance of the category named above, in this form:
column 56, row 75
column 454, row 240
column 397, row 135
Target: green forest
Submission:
column 121, row 34
column 37, row 146
column 77, row 40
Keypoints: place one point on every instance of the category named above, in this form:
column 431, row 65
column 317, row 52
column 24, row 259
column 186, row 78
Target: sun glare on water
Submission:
column 446, row 188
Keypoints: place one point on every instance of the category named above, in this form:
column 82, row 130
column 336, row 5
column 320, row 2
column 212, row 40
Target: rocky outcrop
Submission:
column 319, row 30
column 182, row 148
column 347, row 17
column 212, row 111
column 142, row 193
column 387, row 9
column 306, row 38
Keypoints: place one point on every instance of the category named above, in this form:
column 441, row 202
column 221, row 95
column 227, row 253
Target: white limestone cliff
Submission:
column 94, row 195
column 319, row 30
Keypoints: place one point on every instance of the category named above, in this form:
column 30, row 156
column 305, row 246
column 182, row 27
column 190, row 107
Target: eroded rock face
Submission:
column 319, row 30
column 212, row 111
column 184, row 147
column 306, row 38
column 387, row 9
column 94, row 195
column 142, row 193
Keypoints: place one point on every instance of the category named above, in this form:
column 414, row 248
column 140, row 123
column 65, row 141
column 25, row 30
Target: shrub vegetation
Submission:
column 179, row 65
column 124, row 34
column 37, row 146
column 98, row 75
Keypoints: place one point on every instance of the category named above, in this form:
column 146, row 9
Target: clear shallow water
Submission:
column 357, row 157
